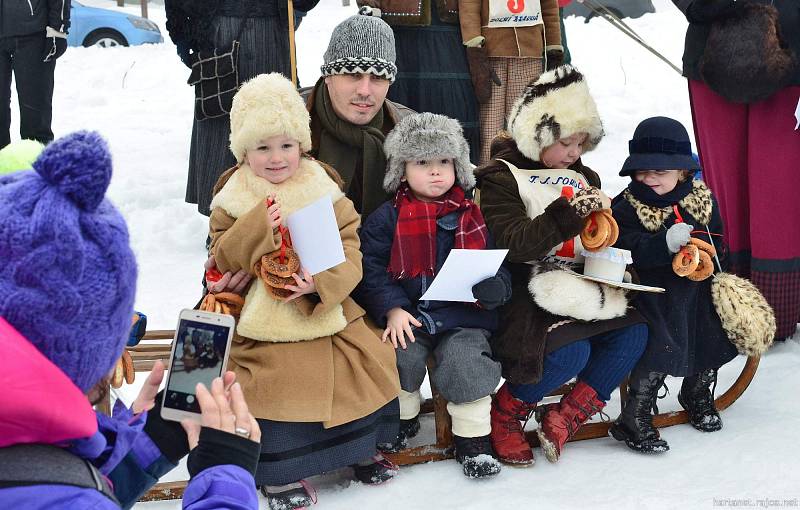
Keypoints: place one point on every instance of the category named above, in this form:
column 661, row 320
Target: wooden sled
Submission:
column 153, row 347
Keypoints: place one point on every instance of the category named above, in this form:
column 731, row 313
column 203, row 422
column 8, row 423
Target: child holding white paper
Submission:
column 405, row 242
column 315, row 374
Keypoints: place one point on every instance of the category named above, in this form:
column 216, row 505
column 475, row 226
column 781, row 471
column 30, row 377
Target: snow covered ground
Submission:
column 138, row 98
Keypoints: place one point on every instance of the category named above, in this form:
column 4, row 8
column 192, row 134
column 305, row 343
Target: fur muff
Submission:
column 555, row 106
column 746, row 316
column 563, row 294
column 268, row 105
column 746, row 60
column 423, row 136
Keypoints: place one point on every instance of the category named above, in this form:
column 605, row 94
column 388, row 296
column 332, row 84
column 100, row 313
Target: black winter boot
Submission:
column 375, row 470
column 697, row 397
column 477, row 457
column 291, row 496
column 407, row 430
column 635, row 424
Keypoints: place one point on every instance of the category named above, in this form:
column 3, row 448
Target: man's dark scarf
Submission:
column 356, row 152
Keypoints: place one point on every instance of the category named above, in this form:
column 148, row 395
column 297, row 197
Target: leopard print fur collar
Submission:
column 697, row 203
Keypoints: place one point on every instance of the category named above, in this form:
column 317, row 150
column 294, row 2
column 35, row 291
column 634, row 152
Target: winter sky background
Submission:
column 138, row 99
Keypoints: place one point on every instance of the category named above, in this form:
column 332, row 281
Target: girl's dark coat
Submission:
column 527, row 332
column 686, row 336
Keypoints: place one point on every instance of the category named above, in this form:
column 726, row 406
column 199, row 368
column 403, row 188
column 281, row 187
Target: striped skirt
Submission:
column 291, row 451
column 264, row 48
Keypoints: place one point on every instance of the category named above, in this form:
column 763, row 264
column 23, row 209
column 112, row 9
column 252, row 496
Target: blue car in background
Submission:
column 92, row 26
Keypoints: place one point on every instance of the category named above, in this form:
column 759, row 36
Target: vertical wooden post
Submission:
column 120, row 3
column 441, row 418
column 144, row 8
column 292, row 55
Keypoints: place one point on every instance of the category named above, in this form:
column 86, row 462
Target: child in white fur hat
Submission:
column 405, row 243
column 313, row 371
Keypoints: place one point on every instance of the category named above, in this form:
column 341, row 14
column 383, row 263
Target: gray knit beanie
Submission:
column 423, row 136
column 361, row 44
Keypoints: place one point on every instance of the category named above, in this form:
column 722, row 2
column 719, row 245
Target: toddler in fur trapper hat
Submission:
column 295, row 326
column 405, row 242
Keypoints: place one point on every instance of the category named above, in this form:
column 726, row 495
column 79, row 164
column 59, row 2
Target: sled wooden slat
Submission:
column 167, row 490
column 159, row 334
column 145, row 354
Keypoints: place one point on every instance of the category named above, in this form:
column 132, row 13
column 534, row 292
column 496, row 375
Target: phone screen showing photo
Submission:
column 199, row 354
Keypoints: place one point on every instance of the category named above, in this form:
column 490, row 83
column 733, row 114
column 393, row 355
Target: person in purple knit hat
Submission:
column 67, row 285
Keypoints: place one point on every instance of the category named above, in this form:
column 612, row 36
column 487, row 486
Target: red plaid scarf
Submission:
column 414, row 246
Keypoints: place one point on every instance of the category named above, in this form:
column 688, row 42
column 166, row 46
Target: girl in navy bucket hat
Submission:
column 662, row 211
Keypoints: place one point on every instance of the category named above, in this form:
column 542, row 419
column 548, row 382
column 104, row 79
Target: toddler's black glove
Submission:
column 491, row 292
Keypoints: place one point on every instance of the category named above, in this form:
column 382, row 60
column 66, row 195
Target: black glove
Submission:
column 554, row 59
column 167, row 435
column 705, row 11
column 216, row 448
column 482, row 73
column 491, row 292
column 54, row 47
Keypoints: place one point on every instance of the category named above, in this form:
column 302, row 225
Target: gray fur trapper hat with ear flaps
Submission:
column 423, row 136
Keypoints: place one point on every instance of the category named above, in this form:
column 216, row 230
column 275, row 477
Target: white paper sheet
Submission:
column 797, row 115
column 462, row 270
column 315, row 236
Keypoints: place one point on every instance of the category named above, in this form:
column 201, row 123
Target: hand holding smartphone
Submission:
column 199, row 355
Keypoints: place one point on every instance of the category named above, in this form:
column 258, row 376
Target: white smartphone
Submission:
column 199, row 354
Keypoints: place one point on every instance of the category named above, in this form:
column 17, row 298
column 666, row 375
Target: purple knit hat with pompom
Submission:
column 67, row 272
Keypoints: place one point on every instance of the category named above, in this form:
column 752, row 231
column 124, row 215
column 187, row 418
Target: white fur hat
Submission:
column 265, row 106
column 557, row 105
column 422, row 136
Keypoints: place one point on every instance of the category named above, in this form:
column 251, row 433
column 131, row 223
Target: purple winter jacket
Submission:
column 34, row 392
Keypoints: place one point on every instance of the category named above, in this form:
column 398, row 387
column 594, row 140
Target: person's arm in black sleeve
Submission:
column 58, row 12
column 705, row 11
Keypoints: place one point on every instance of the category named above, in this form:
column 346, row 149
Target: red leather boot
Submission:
column 559, row 422
column 508, row 436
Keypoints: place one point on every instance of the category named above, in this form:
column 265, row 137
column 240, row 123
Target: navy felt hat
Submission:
column 659, row 143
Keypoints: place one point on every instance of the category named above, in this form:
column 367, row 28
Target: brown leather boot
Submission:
column 559, row 422
column 508, row 436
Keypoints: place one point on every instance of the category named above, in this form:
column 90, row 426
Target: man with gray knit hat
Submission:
column 350, row 115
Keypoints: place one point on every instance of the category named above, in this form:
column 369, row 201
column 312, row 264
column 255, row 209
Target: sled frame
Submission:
column 153, row 347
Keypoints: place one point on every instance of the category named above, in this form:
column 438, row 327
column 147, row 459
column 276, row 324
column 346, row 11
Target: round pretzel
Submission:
column 600, row 231
column 272, row 262
column 704, row 269
column 119, row 374
column 223, row 302
column 612, row 238
column 127, row 367
column 704, row 246
column 686, row 260
column 276, row 282
column 279, row 293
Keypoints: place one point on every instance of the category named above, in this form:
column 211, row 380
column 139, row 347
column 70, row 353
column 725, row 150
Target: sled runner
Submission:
column 155, row 346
